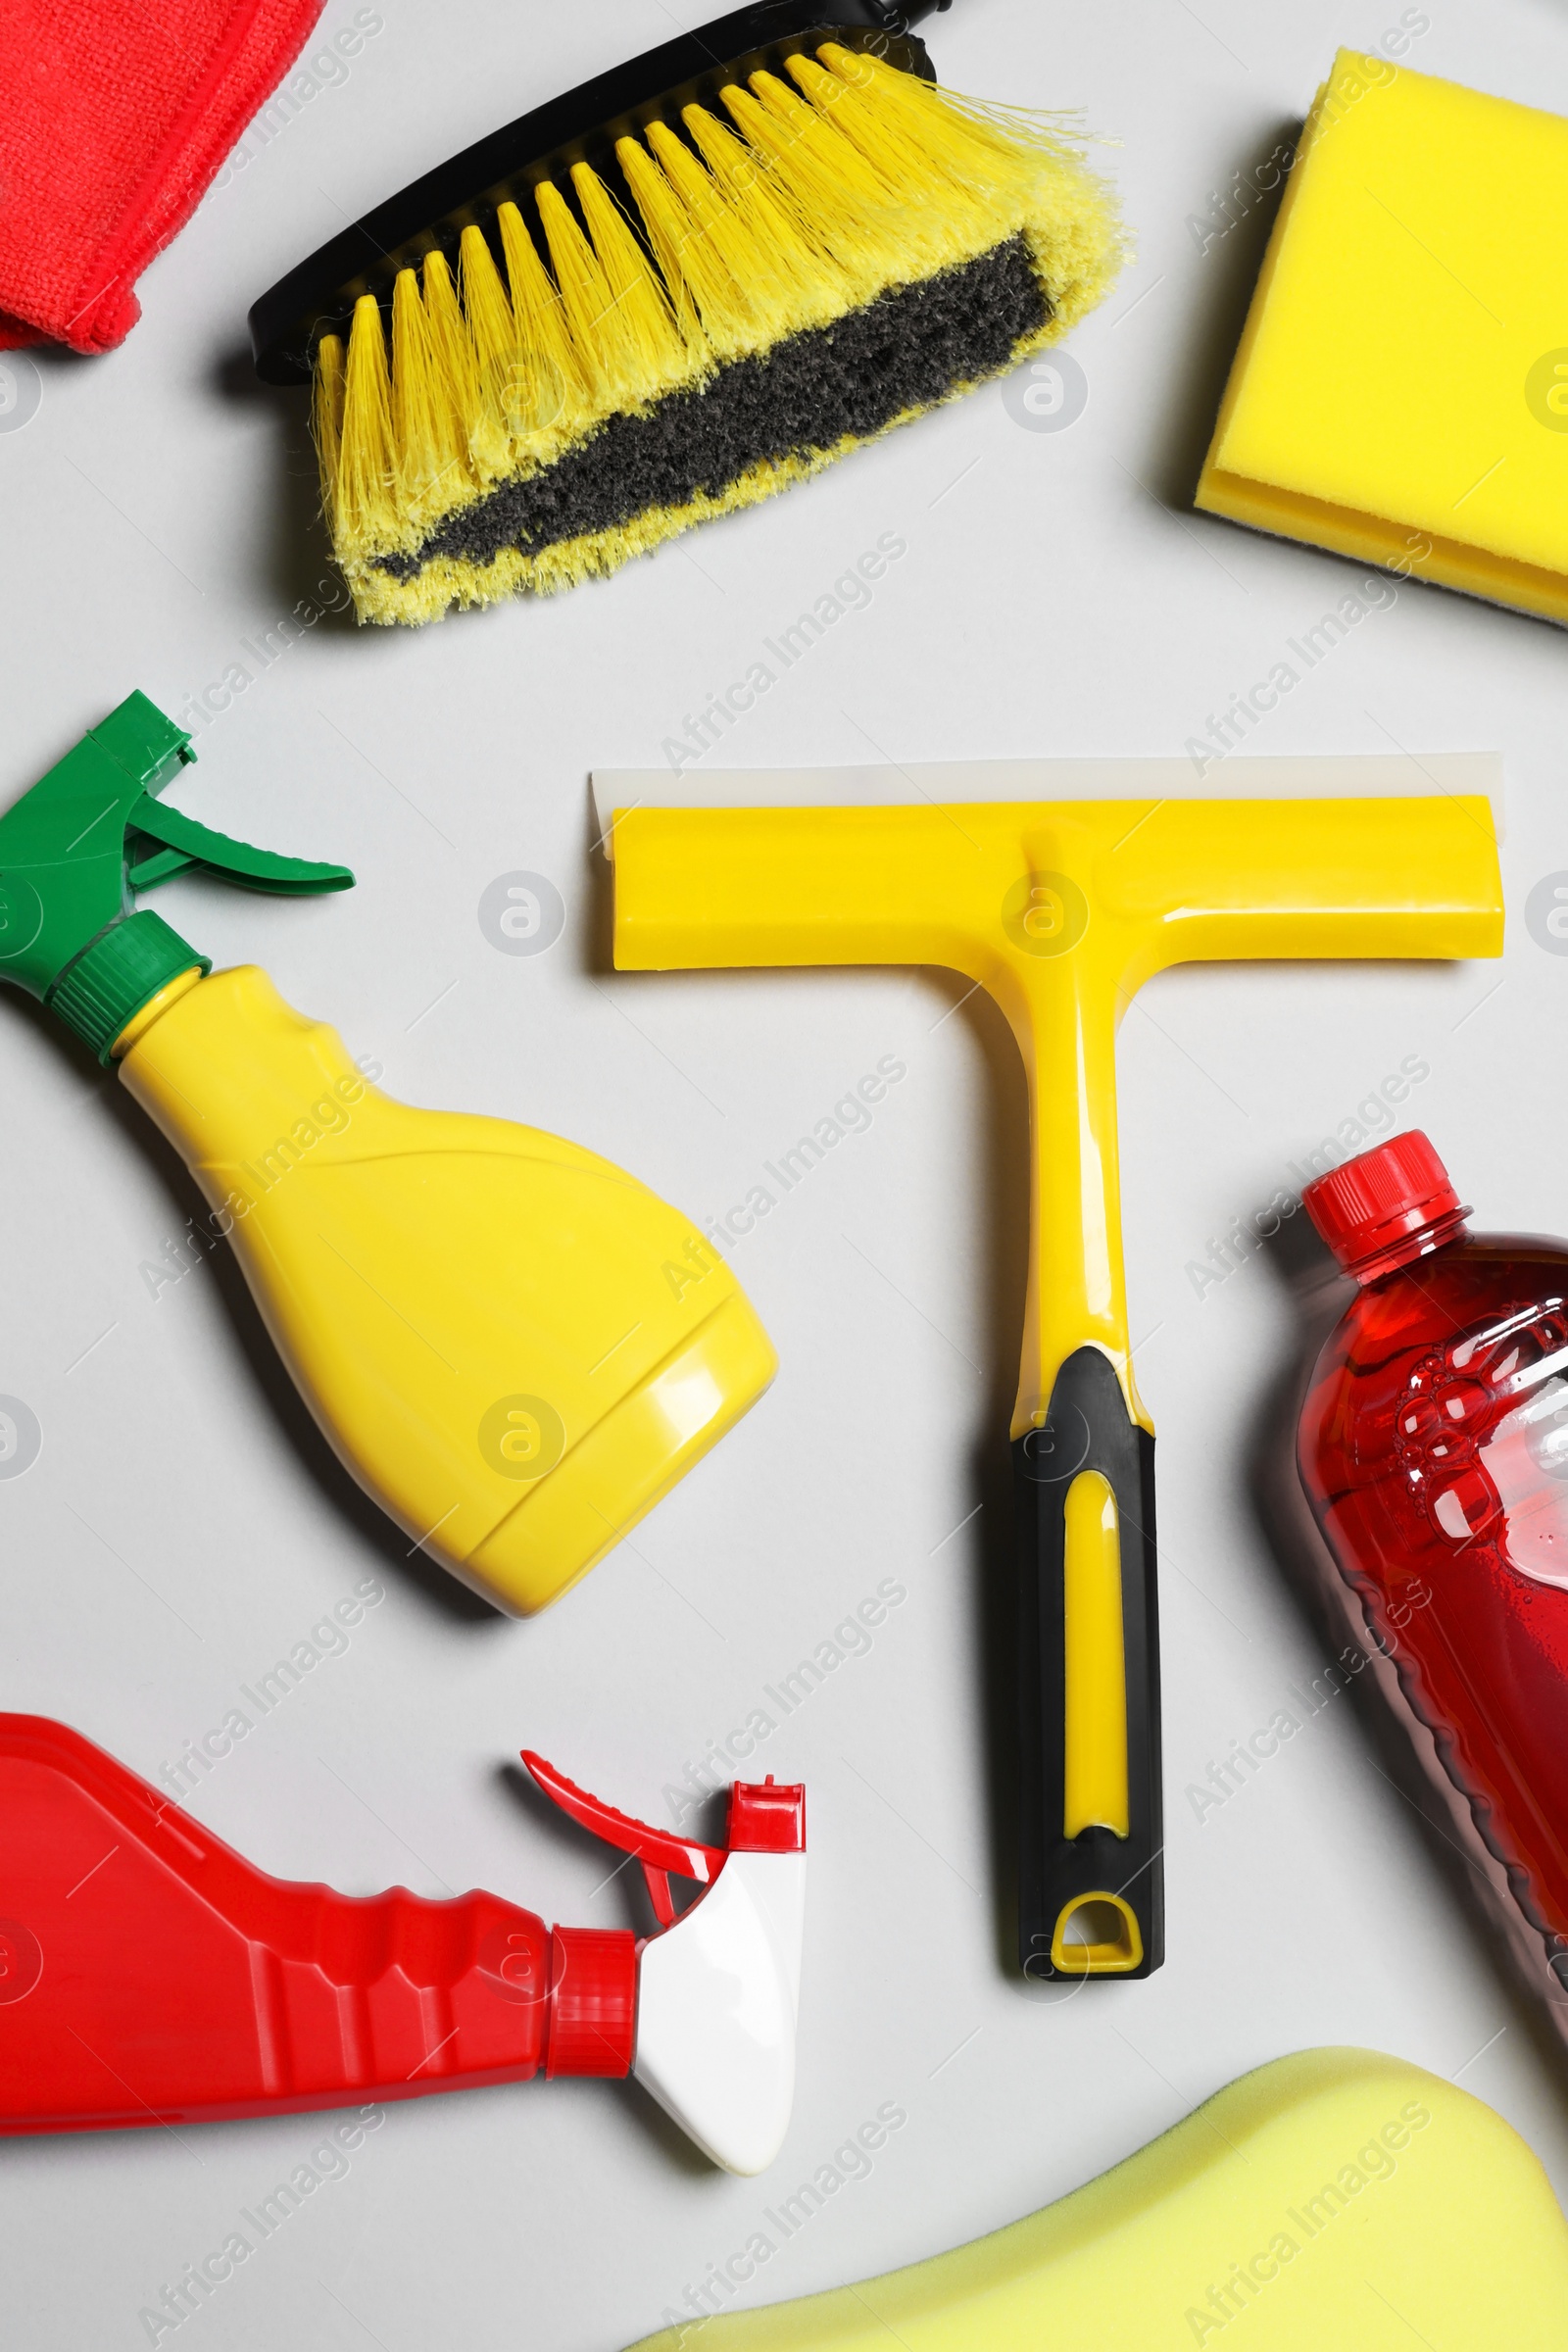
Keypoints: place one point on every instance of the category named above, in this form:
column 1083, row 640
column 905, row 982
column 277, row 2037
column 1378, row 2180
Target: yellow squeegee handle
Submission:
column 1061, row 910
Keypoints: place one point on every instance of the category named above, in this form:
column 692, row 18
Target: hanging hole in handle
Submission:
column 1096, row 1935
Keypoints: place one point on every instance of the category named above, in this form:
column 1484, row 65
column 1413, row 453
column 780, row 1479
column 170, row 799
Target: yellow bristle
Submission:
column 735, row 246
column 905, row 125
column 832, row 184
column 327, row 417
column 550, row 399
column 989, row 131
column 737, row 253
column 492, row 339
column 906, row 165
column 427, row 433
column 607, row 366
column 454, row 379
column 658, row 352
column 707, row 299
column 1011, row 172
column 366, row 506
column 818, row 147
column 971, row 196
column 765, row 208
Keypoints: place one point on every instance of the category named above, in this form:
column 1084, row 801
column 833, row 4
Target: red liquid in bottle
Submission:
column 1434, row 1450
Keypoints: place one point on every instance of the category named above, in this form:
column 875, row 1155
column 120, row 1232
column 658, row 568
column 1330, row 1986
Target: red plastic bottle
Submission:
column 1434, row 1450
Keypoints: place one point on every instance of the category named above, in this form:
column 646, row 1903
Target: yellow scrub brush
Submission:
column 680, row 288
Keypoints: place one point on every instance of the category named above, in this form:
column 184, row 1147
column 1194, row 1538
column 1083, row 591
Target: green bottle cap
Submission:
column 123, row 970
column 77, row 847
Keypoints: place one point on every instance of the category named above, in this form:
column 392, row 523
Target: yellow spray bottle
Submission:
column 515, row 1346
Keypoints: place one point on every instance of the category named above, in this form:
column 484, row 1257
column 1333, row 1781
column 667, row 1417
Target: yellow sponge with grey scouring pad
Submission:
column 1401, row 393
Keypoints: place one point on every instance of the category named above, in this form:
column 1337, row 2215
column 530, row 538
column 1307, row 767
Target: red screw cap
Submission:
column 1368, row 1208
column 593, row 2001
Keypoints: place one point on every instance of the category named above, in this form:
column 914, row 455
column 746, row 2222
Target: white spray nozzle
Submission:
column 719, row 1987
column 718, row 1993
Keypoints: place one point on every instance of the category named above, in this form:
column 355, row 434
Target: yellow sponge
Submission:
column 1401, row 393
column 1332, row 2202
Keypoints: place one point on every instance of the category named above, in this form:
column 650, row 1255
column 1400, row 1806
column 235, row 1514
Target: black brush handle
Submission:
column 1088, row 1427
column 318, row 296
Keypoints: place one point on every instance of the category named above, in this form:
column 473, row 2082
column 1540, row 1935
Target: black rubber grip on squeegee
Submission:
column 317, row 297
column 1088, row 1427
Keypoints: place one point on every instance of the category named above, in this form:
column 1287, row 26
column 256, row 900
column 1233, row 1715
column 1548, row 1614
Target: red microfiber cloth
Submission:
column 113, row 120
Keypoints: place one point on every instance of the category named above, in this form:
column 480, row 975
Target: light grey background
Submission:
column 179, row 1529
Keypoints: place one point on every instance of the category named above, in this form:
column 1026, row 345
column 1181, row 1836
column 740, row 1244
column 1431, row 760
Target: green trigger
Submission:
column 188, row 843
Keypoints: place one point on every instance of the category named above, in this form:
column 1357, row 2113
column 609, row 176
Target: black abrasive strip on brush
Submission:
column 906, row 350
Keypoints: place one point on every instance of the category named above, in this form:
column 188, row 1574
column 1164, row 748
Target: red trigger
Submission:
column 658, row 1851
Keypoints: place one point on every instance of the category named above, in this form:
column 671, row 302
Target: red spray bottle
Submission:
column 1434, row 1450
column 151, row 1974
